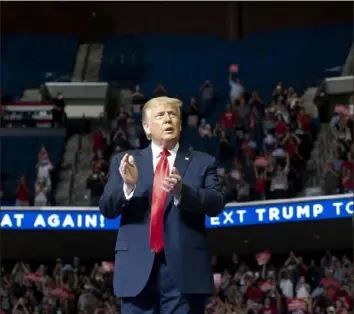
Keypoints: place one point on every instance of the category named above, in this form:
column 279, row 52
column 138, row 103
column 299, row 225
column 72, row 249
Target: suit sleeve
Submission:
column 208, row 200
column 113, row 200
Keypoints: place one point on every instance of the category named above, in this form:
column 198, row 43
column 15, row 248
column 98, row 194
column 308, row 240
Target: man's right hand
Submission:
column 129, row 171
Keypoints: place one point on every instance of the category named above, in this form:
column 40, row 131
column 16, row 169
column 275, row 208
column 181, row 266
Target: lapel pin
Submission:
column 187, row 158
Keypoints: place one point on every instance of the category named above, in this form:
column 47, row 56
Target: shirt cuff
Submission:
column 127, row 192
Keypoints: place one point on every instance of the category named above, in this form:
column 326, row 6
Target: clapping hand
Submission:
column 128, row 171
column 173, row 184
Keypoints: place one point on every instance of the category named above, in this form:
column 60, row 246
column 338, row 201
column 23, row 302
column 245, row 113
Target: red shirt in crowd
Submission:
column 228, row 119
column 281, row 128
column 248, row 151
column 304, row 119
column 100, row 163
column 23, row 193
column 260, row 185
column 98, row 141
column 349, row 165
column 291, row 148
column 255, row 294
column 348, row 180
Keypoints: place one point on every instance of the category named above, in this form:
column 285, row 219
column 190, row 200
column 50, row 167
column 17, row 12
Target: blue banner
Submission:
column 235, row 214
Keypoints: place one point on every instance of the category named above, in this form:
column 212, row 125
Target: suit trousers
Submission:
column 161, row 296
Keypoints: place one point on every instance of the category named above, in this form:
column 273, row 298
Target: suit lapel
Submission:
column 182, row 161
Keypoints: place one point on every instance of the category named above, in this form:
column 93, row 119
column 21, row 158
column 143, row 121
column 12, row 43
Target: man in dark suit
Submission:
column 163, row 263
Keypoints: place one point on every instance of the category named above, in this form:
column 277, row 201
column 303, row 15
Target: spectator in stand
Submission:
column 160, row 91
column 279, row 93
column 348, row 174
column 134, row 133
column 43, row 155
column 257, row 103
column 243, row 190
column 193, row 113
column 98, row 141
column 100, row 163
column 22, row 192
column 225, row 148
column 59, row 101
column 207, row 91
column 41, row 192
column 236, row 89
column 120, row 142
column 94, row 186
column 243, row 111
column 228, row 121
column 137, row 101
column 58, row 113
column 121, row 121
column 279, row 181
column 43, row 172
column 261, row 182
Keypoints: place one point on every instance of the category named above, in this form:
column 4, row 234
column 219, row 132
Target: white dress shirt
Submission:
column 156, row 155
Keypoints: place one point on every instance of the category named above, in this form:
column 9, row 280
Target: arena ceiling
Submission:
column 225, row 19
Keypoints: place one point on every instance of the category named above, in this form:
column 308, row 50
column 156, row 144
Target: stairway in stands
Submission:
column 322, row 149
column 80, row 63
column 84, row 169
column 348, row 68
column 62, row 196
column 94, row 63
column 88, row 63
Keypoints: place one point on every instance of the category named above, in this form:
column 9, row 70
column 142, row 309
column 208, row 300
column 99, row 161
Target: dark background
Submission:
column 301, row 236
column 230, row 20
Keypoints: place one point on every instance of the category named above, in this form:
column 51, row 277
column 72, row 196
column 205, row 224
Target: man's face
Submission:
column 164, row 125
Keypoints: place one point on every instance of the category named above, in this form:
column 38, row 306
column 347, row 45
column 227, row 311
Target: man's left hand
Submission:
column 173, row 184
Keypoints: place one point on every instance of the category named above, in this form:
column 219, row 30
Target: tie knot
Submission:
column 165, row 153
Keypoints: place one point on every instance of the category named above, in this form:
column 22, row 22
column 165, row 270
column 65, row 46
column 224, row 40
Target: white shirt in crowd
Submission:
column 44, row 172
column 235, row 174
column 236, row 90
column 287, row 287
column 280, row 180
column 279, row 152
column 41, row 197
column 269, row 139
column 303, row 291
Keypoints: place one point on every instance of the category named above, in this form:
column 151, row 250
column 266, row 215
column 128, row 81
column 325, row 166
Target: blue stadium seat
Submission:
column 19, row 156
column 298, row 56
column 28, row 61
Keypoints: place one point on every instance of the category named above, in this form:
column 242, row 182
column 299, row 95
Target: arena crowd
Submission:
column 263, row 284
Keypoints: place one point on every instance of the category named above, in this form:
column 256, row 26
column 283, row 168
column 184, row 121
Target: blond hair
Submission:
column 154, row 102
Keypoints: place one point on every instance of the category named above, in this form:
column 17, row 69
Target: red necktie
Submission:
column 158, row 203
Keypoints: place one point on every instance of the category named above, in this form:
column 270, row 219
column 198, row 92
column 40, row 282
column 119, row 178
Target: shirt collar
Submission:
column 156, row 150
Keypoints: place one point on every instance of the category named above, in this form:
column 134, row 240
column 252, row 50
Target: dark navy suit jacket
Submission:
column 186, row 245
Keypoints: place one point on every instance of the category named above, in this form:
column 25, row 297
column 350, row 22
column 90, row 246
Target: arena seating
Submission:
column 32, row 60
column 298, row 56
column 19, row 156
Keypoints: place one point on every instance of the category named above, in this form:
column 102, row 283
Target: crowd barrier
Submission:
column 234, row 214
